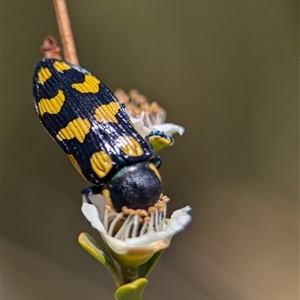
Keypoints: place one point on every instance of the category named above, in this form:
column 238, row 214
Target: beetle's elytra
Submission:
column 88, row 122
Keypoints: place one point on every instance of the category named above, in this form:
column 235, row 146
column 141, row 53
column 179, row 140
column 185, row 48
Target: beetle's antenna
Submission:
column 65, row 31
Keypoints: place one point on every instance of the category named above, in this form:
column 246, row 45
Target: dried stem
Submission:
column 65, row 31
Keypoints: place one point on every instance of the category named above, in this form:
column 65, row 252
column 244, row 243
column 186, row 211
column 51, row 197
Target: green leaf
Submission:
column 88, row 243
column 132, row 291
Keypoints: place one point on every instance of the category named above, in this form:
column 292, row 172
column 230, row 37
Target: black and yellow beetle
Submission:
column 88, row 122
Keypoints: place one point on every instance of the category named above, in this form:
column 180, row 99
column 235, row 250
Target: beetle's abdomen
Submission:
column 86, row 120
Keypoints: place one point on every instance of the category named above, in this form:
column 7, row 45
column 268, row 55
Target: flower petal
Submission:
column 91, row 213
column 137, row 122
column 116, row 245
column 178, row 221
column 147, row 238
column 169, row 128
column 140, row 127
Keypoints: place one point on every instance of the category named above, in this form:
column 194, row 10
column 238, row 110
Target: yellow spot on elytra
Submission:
column 76, row 165
column 130, row 146
column 77, row 128
column 43, row 75
column 155, row 170
column 52, row 105
column 101, row 163
column 89, row 85
column 61, row 66
column 107, row 112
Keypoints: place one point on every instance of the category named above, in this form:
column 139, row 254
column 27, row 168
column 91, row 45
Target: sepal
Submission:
column 88, row 243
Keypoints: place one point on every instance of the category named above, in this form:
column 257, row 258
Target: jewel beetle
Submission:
column 92, row 127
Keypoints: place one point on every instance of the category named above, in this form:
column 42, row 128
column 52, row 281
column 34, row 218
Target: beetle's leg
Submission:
column 91, row 190
column 156, row 160
column 159, row 140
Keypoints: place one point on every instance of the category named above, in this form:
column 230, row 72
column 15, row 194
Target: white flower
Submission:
column 167, row 128
column 146, row 116
column 130, row 242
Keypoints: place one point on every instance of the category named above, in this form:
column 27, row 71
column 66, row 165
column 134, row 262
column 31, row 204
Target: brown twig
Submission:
column 65, row 31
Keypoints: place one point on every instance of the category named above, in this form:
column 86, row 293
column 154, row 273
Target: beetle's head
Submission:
column 137, row 186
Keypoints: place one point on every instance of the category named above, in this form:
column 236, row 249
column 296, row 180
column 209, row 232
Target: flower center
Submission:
column 132, row 223
column 138, row 106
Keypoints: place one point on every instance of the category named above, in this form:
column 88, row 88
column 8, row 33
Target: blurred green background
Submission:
column 228, row 71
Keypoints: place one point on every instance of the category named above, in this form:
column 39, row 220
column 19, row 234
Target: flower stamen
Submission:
column 138, row 106
column 120, row 234
column 108, row 215
column 127, row 228
column 144, row 228
column 119, row 216
column 135, row 226
column 132, row 223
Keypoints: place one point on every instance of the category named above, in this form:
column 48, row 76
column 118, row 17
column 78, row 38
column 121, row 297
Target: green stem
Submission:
column 129, row 274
